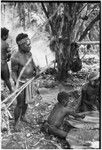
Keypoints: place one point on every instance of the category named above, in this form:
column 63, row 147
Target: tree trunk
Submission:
column 61, row 32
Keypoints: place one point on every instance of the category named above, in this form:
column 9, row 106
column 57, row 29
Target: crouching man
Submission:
column 90, row 95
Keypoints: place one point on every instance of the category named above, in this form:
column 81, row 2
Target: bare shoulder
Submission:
column 15, row 56
column 4, row 44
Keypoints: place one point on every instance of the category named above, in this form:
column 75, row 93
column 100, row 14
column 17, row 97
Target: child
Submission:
column 54, row 124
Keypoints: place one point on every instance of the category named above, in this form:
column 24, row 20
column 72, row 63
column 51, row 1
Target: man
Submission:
column 18, row 61
column 90, row 98
column 5, row 56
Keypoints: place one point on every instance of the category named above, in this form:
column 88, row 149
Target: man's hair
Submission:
column 63, row 97
column 20, row 37
column 4, row 32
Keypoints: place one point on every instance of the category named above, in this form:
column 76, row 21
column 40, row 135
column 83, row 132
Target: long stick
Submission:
column 17, row 84
column 26, row 84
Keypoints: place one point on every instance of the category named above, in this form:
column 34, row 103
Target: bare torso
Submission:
column 57, row 115
column 20, row 61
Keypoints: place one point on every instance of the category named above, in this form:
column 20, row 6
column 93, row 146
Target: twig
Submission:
column 24, row 131
column 38, row 141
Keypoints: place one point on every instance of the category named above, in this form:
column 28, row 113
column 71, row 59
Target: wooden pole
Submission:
column 89, row 42
column 46, row 60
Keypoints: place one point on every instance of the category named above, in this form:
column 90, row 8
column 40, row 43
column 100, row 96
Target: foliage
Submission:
column 72, row 21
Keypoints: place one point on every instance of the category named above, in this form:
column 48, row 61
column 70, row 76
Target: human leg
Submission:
column 61, row 136
column 24, row 108
column 19, row 107
column 8, row 83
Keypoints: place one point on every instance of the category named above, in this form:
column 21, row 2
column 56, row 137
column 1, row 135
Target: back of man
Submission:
column 5, row 56
column 90, row 94
column 57, row 115
column 4, row 47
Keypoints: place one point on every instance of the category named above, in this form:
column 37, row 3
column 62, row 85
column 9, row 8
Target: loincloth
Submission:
column 32, row 94
column 48, row 128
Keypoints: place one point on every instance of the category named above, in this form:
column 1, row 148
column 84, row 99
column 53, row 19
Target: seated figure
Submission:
column 90, row 95
column 54, row 124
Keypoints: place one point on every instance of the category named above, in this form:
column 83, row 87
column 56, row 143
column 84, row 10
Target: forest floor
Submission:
column 86, row 133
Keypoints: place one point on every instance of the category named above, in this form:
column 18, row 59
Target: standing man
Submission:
column 18, row 61
column 5, row 57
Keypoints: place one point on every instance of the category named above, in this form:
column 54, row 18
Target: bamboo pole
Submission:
column 27, row 83
column 46, row 60
column 89, row 42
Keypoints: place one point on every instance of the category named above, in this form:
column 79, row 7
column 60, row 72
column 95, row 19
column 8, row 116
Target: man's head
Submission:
column 4, row 33
column 93, row 78
column 63, row 98
column 23, row 42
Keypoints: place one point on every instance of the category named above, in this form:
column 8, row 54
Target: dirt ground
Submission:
column 85, row 135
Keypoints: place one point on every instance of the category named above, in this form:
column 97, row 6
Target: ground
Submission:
column 30, row 136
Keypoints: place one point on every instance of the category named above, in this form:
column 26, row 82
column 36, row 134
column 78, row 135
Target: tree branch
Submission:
column 89, row 27
column 44, row 9
column 81, row 9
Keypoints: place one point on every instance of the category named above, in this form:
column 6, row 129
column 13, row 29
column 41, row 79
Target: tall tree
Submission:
column 70, row 24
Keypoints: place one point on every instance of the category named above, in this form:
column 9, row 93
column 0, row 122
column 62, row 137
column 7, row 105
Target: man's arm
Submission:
column 14, row 69
column 76, row 115
column 35, row 67
column 8, row 51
